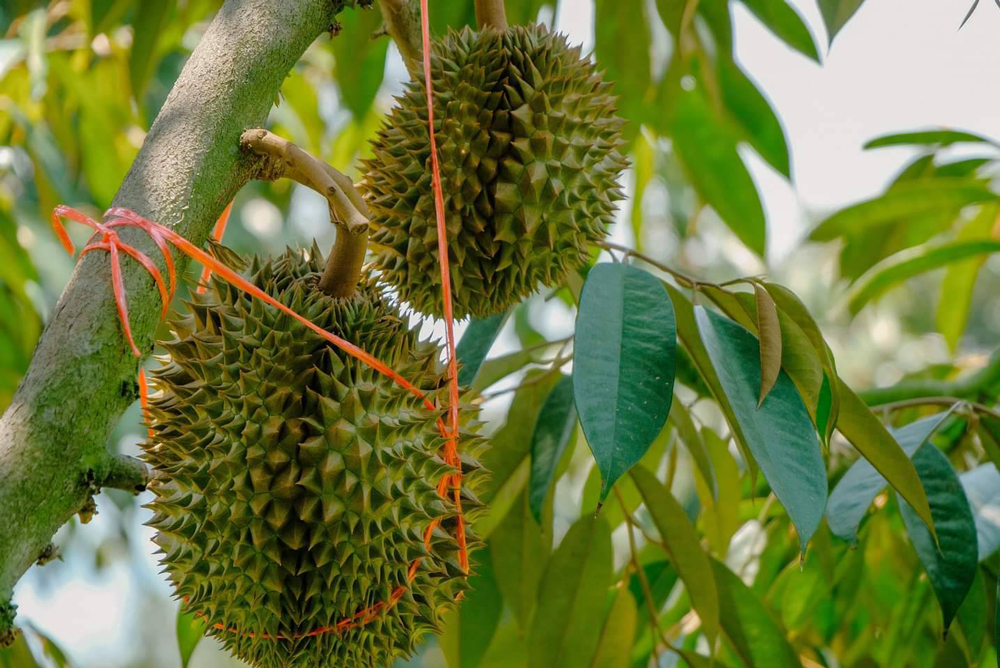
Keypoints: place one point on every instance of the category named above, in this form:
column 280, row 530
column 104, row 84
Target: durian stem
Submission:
column 402, row 21
column 491, row 14
column 280, row 158
column 343, row 266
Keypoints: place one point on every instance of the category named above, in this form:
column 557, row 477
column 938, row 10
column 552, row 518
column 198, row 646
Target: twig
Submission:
column 348, row 210
column 491, row 14
column 123, row 472
column 684, row 280
column 556, row 365
column 938, row 401
column 286, row 160
column 975, row 386
column 643, row 581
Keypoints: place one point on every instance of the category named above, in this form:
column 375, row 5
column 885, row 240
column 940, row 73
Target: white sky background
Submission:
column 898, row 65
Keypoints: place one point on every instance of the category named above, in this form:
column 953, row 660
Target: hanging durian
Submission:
column 296, row 488
column 528, row 143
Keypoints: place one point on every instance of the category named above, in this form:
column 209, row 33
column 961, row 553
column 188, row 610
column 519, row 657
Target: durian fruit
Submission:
column 528, row 142
column 294, row 484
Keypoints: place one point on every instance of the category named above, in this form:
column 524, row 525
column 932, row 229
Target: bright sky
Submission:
column 899, row 64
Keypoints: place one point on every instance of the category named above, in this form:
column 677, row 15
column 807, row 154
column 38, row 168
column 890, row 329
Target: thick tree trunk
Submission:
column 83, row 375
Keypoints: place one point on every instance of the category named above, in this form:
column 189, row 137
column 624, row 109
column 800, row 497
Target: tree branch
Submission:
column 980, row 385
column 124, row 473
column 82, row 375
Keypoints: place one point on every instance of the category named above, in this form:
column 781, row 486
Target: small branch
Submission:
column 938, row 401
column 978, row 385
column 684, row 280
column 491, row 14
column 348, row 210
column 643, row 581
column 125, row 473
column 283, row 159
column 402, row 20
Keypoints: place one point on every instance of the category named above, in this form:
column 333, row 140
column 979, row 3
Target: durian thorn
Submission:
column 451, row 448
column 491, row 14
column 217, row 232
column 283, row 159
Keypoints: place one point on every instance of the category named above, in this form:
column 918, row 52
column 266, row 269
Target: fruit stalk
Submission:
column 280, row 158
column 343, row 265
column 491, row 14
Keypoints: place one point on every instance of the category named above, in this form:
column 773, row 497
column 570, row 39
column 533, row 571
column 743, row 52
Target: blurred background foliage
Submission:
column 82, row 80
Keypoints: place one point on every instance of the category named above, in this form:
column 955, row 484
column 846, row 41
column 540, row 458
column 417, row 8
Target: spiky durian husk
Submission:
column 528, row 145
column 293, row 483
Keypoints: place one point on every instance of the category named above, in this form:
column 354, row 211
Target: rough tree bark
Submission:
column 82, row 377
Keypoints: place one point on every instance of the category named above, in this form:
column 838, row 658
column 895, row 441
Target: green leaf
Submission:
column 475, row 345
column 836, row 13
column 623, row 374
column 982, row 488
column 469, row 627
column 520, row 12
column 17, row 655
column 615, row 641
column 799, row 358
column 912, row 262
column 50, row 648
column 960, row 280
column 754, row 633
column 571, row 598
column 870, row 437
column 780, row 432
column 553, row 433
column 936, row 138
column 683, row 547
column 791, row 306
column 905, row 200
column 972, row 614
column 360, row 60
column 855, row 492
column 190, row 631
column 786, row 23
column 680, row 417
column 719, row 517
column 661, row 578
column 707, row 148
column 644, row 166
column 769, row 336
column 510, row 450
column 951, row 561
column 996, row 621
column 150, row 19
column 519, row 550
column 754, row 115
column 621, row 48
column 687, row 332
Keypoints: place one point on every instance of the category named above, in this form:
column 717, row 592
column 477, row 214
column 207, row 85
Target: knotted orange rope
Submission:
column 163, row 237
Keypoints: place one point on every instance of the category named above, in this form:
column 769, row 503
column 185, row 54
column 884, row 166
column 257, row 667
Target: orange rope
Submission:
column 451, row 449
column 217, row 232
